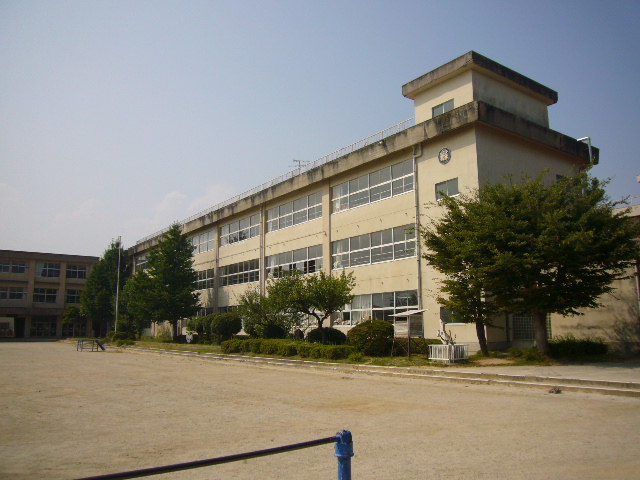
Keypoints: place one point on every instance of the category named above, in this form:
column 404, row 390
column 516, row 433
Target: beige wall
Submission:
column 501, row 154
column 508, row 97
column 458, row 88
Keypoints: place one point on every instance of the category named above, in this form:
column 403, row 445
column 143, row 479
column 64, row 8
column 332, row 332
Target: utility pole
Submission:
column 115, row 327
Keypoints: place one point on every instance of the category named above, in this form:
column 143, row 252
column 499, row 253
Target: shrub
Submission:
column 373, row 337
column 225, row 325
column 124, row 342
column 356, row 357
column 531, row 354
column 287, row 348
column 274, row 330
column 418, row 345
column 333, row 336
column 115, row 336
column 570, row 346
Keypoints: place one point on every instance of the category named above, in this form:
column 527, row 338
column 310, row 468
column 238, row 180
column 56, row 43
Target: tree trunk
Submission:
column 482, row 338
column 540, row 327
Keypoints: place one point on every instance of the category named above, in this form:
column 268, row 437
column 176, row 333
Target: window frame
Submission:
column 441, row 193
column 357, row 192
column 442, row 108
column 342, row 251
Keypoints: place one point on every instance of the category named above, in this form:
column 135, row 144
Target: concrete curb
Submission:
column 602, row 387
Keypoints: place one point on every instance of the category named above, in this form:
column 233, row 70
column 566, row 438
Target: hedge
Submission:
column 570, row 346
column 287, row 348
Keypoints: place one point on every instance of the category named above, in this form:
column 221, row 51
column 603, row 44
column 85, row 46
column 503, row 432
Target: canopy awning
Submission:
column 408, row 313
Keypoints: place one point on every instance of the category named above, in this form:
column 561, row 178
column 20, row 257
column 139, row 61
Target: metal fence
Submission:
column 449, row 353
column 343, row 451
column 371, row 139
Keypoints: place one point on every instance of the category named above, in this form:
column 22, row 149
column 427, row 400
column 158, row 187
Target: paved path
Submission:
column 613, row 372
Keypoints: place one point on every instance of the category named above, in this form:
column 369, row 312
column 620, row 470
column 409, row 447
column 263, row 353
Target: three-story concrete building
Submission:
column 358, row 209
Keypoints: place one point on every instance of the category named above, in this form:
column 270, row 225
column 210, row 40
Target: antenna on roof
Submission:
column 299, row 164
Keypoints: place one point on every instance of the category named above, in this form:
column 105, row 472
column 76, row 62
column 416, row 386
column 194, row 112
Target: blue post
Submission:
column 344, row 452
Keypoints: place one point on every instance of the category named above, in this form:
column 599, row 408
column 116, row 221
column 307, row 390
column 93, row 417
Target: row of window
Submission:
column 205, row 279
column 40, row 295
column 243, row 229
column 12, row 267
column 48, row 270
column 298, row 211
column 305, row 260
column 377, row 306
column 242, row 272
column 203, row 242
column 390, row 244
column 371, row 187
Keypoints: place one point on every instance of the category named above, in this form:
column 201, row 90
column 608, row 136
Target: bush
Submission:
column 287, row 348
column 225, row 325
column 418, row 345
column 531, row 354
column 373, row 337
column 115, row 336
column 274, row 330
column 124, row 342
column 333, row 336
column 570, row 346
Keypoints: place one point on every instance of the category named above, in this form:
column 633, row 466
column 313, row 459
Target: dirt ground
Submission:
column 68, row 414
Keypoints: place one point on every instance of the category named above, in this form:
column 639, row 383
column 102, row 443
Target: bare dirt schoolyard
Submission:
column 68, row 414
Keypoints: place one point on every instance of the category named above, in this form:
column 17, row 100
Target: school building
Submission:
column 358, row 209
column 36, row 289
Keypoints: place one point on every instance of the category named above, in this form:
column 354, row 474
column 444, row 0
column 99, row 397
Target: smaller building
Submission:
column 36, row 289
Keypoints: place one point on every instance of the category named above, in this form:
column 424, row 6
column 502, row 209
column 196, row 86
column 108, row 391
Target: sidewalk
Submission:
column 613, row 372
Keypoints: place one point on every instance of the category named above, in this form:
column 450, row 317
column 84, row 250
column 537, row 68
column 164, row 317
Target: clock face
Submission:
column 444, row 155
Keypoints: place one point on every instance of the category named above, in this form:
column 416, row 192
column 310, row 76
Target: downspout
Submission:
column 417, row 152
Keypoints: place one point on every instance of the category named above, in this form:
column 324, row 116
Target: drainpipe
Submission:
column 588, row 141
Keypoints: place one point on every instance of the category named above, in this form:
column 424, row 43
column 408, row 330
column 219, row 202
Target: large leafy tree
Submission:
column 529, row 247
column 317, row 296
column 98, row 299
column 166, row 290
column 264, row 317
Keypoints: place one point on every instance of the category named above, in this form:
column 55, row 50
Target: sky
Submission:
column 118, row 118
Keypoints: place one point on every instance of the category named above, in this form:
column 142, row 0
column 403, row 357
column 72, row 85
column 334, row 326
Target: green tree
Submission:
column 263, row 318
column 98, row 299
column 136, row 307
column 318, row 295
column 166, row 290
column 530, row 247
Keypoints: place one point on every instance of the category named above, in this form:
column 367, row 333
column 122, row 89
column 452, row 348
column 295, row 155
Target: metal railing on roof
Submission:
column 371, row 139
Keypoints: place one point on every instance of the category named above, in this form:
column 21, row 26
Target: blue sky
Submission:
column 119, row 117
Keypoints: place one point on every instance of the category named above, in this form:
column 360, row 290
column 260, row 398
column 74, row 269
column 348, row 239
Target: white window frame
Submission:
column 441, row 108
column 240, row 230
column 305, row 260
column 442, row 188
column 358, row 191
column 300, row 210
column 344, row 251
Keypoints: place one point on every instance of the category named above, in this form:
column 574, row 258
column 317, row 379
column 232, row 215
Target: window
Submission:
column 243, row 229
column 447, row 188
column 523, row 328
column 447, row 316
column 442, row 108
column 242, row 272
column 141, row 262
column 378, row 185
column 43, row 326
column 390, row 244
column 203, row 242
column 205, row 279
column 73, row 296
column 305, row 260
column 44, row 295
column 12, row 267
column 301, row 210
column 377, row 306
column 204, row 311
column 76, row 271
column 50, row 270
column 12, row 293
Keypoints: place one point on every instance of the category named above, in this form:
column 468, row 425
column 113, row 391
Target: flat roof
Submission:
column 475, row 60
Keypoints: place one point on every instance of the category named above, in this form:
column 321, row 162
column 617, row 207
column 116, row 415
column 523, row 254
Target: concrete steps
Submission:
column 452, row 374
